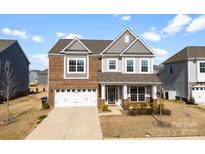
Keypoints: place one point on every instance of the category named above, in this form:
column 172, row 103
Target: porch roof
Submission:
column 113, row 77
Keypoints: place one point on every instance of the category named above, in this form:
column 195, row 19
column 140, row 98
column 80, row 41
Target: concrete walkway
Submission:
column 71, row 123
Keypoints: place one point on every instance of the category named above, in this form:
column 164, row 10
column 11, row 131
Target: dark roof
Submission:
column 128, row 78
column 5, row 44
column 95, row 46
column 186, row 53
column 44, row 72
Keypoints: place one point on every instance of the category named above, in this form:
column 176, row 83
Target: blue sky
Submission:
column 165, row 34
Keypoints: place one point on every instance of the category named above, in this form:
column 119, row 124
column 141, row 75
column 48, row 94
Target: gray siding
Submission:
column 76, row 46
column 120, row 44
column 43, row 79
column 19, row 64
column 137, row 48
column 178, row 81
column 105, row 63
column 192, row 71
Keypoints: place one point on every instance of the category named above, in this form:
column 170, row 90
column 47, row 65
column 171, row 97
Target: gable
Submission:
column 75, row 46
column 137, row 47
column 118, row 45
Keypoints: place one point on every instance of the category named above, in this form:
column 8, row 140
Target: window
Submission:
column 83, row 90
column 57, row 90
column 79, row 90
column 73, row 90
column 202, row 67
column 127, row 38
column 133, row 92
column 130, row 65
column 112, row 64
column 62, row 90
column 137, row 93
column 76, row 65
column 68, row 90
column 89, row 90
column 144, row 66
column 94, row 90
column 141, row 94
column 171, row 69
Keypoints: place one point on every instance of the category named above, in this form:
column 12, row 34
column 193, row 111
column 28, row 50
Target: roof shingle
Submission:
column 95, row 46
column 129, row 78
column 186, row 53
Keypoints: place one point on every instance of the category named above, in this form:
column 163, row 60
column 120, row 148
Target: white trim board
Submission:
column 75, row 39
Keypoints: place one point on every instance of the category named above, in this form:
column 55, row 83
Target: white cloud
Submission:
column 127, row 17
column 162, row 54
column 197, row 24
column 60, row 34
column 177, row 24
column 73, row 35
column 40, row 58
column 14, row 32
column 151, row 36
column 36, row 38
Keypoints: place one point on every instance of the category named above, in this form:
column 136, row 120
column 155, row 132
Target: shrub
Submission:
column 143, row 105
column 105, row 108
column 143, row 110
column 191, row 100
column 125, row 106
column 40, row 118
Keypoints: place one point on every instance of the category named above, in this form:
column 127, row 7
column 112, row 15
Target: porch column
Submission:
column 154, row 92
column 124, row 91
column 102, row 91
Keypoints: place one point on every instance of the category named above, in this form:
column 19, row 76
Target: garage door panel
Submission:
column 75, row 98
column 198, row 94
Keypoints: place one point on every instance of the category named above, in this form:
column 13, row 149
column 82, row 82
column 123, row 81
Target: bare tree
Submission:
column 8, row 89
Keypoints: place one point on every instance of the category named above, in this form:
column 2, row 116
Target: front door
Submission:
column 111, row 95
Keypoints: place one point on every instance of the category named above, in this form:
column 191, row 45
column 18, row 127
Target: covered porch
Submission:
column 119, row 94
column 119, row 89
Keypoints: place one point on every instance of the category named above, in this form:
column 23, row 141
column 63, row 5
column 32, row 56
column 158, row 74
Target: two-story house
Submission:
column 93, row 72
column 183, row 75
column 12, row 57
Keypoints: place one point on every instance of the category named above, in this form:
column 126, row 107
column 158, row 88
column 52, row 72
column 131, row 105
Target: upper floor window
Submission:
column 144, row 66
column 171, row 69
column 112, row 64
column 202, row 67
column 76, row 65
column 130, row 65
column 127, row 38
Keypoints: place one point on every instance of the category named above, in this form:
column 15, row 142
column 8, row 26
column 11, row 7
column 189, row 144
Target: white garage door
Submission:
column 199, row 94
column 75, row 97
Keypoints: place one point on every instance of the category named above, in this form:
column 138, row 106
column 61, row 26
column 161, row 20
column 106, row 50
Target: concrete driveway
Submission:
column 71, row 123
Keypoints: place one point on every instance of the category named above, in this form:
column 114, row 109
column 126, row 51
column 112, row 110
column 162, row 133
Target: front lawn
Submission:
column 185, row 120
column 26, row 111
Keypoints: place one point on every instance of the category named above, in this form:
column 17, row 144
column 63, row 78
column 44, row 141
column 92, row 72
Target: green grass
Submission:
column 40, row 118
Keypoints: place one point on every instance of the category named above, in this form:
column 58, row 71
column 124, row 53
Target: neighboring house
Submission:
column 157, row 68
column 33, row 76
column 184, row 74
column 93, row 72
column 12, row 56
column 43, row 77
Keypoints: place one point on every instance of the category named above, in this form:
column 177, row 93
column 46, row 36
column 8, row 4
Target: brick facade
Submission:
column 57, row 81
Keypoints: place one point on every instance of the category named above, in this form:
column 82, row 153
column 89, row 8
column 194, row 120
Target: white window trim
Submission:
column 108, row 65
column 84, row 67
column 140, row 68
column 70, row 77
column 126, row 65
